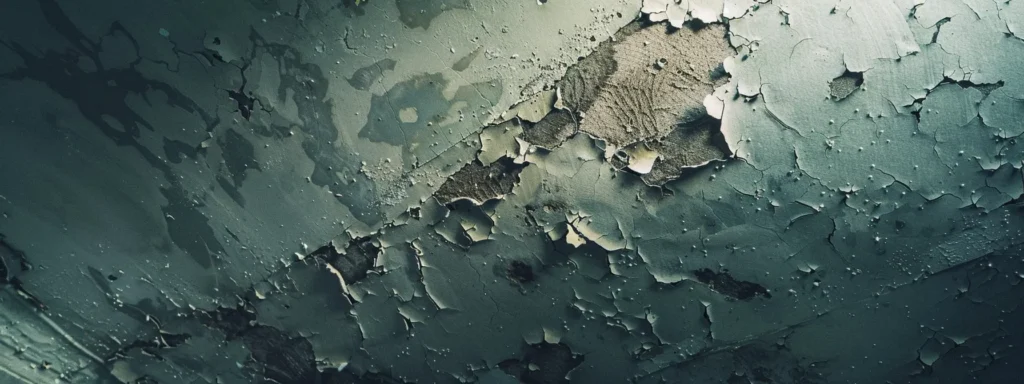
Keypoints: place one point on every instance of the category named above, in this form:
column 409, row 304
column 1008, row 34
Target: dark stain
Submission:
column 103, row 93
column 152, row 346
column 347, row 377
column 554, row 362
column 898, row 225
column 719, row 73
column 333, row 165
column 480, row 182
column 239, row 157
column 176, row 151
column 145, row 311
column 31, row 299
column 757, row 362
column 364, row 77
column 231, row 190
column 520, row 272
column 349, row 8
column 420, row 13
column 189, row 228
column 281, row 358
column 232, row 321
column 425, row 93
column 463, row 63
column 266, row 5
column 724, row 283
column 766, row 364
column 273, row 131
column 12, row 261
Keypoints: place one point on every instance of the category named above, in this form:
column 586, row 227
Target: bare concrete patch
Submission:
column 479, row 183
column 659, row 78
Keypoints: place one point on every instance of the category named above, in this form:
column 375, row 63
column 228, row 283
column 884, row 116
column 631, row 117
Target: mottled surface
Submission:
column 385, row 191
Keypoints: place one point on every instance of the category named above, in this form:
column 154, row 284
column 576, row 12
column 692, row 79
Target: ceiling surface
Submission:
column 484, row 191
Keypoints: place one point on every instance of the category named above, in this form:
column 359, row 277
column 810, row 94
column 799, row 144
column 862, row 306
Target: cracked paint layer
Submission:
column 392, row 191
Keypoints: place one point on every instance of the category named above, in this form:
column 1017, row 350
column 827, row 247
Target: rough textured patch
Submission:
column 480, row 183
column 658, row 80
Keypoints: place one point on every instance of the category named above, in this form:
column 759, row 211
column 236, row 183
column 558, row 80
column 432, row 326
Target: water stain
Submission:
column 440, row 121
column 176, row 151
column 101, row 95
column 239, row 157
column 465, row 61
column 543, row 363
column 364, row 77
column 419, row 13
column 190, row 229
column 334, row 166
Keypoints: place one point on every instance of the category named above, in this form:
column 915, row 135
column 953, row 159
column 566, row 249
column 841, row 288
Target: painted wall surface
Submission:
column 503, row 191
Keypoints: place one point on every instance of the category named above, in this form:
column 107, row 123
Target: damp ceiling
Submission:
column 514, row 191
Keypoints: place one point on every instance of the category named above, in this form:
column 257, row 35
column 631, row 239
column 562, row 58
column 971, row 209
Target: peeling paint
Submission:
column 647, row 191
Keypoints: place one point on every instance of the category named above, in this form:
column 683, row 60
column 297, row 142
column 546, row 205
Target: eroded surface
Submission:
column 394, row 191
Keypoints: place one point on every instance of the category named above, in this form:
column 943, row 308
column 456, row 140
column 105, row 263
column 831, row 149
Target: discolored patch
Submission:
column 543, row 363
column 520, row 272
column 239, row 157
column 442, row 117
column 463, row 63
column 366, row 76
column 419, row 14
